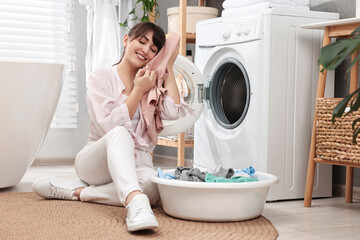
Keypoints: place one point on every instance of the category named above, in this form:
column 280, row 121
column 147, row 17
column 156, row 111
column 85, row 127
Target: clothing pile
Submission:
column 219, row 174
column 234, row 8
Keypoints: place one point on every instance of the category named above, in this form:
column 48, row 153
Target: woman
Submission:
column 115, row 165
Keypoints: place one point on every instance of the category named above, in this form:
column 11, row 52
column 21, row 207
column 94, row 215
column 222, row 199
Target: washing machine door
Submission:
column 229, row 93
column 190, row 83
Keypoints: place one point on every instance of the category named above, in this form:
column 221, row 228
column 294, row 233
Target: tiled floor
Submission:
column 329, row 218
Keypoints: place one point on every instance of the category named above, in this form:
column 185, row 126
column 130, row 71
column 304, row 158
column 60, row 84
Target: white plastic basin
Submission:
column 204, row 201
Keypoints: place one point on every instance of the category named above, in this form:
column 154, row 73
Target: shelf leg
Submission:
column 349, row 184
column 311, row 164
column 181, row 149
column 354, row 74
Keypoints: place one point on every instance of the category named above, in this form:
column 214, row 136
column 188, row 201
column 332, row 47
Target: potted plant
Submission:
column 150, row 10
column 331, row 56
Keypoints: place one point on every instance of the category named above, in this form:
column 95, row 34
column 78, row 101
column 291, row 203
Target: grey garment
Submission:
column 222, row 172
column 189, row 174
column 195, row 175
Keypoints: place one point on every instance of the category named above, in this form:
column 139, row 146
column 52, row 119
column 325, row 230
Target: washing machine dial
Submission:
column 247, row 32
column 226, row 33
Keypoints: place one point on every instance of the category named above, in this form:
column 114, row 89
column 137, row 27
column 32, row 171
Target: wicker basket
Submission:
column 334, row 140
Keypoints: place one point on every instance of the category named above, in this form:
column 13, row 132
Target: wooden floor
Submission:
column 329, row 218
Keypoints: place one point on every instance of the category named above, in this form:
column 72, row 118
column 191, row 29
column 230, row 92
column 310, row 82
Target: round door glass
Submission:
column 230, row 93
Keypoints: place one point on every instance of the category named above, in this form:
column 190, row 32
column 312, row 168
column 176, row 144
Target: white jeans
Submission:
column 113, row 168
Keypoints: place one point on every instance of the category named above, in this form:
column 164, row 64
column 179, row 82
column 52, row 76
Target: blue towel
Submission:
column 160, row 174
column 249, row 171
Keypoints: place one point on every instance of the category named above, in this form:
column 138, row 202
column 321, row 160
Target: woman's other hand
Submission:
column 170, row 83
column 174, row 56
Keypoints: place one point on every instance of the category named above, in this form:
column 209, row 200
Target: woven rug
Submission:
column 27, row 216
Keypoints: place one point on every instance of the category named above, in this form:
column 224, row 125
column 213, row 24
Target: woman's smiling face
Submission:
column 141, row 50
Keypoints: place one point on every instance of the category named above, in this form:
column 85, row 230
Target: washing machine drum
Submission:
column 227, row 94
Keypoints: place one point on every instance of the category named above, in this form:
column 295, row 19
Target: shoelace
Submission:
column 140, row 206
column 62, row 193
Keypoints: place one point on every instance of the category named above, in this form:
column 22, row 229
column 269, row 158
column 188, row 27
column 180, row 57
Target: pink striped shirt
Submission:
column 107, row 108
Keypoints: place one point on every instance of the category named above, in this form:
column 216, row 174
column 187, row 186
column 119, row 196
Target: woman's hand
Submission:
column 145, row 80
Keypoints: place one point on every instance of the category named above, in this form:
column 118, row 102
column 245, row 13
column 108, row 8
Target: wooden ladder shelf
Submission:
column 181, row 143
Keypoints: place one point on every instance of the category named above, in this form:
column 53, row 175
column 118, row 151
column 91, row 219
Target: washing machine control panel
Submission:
column 223, row 31
column 247, row 28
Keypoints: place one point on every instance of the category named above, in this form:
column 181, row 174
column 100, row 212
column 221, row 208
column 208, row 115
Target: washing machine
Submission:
column 260, row 75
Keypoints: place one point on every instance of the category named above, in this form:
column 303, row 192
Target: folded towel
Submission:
column 256, row 8
column 243, row 3
column 238, row 179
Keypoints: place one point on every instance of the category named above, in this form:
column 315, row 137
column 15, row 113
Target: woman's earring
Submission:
column 125, row 40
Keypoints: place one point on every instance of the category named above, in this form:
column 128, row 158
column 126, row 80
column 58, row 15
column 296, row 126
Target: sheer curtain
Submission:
column 104, row 34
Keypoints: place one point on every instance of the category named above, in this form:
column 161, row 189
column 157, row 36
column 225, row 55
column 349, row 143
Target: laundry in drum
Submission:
column 182, row 86
column 218, row 174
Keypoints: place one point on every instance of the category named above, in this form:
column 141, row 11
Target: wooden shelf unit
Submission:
column 190, row 37
column 333, row 29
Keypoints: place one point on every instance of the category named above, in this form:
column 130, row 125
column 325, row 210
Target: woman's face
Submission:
column 141, row 50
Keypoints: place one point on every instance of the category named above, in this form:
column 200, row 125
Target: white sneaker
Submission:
column 139, row 214
column 56, row 188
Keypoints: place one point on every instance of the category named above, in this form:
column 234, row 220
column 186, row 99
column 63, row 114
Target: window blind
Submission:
column 43, row 31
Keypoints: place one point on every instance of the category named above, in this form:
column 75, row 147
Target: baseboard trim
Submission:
column 53, row 161
column 339, row 190
column 159, row 159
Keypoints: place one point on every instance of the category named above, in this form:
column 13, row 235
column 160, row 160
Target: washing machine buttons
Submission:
column 243, row 33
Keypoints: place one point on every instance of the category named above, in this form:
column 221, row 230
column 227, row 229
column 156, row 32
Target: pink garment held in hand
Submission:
column 151, row 102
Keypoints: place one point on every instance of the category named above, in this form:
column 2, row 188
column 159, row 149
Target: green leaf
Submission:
column 355, row 104
column 355, row 134
column 340, row 108
column 132, row 11
column 334, row 54
column 147, row 6
column 124, row 24
column 145, row 19
column 354, row 123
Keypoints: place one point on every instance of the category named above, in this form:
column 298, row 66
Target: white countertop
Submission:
column 322, row 25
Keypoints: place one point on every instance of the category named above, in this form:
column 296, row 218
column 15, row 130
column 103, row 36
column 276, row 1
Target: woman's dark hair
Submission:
column 141, row 29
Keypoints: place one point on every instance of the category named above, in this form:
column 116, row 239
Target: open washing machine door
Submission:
column 190, row 83
column 226, row 94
